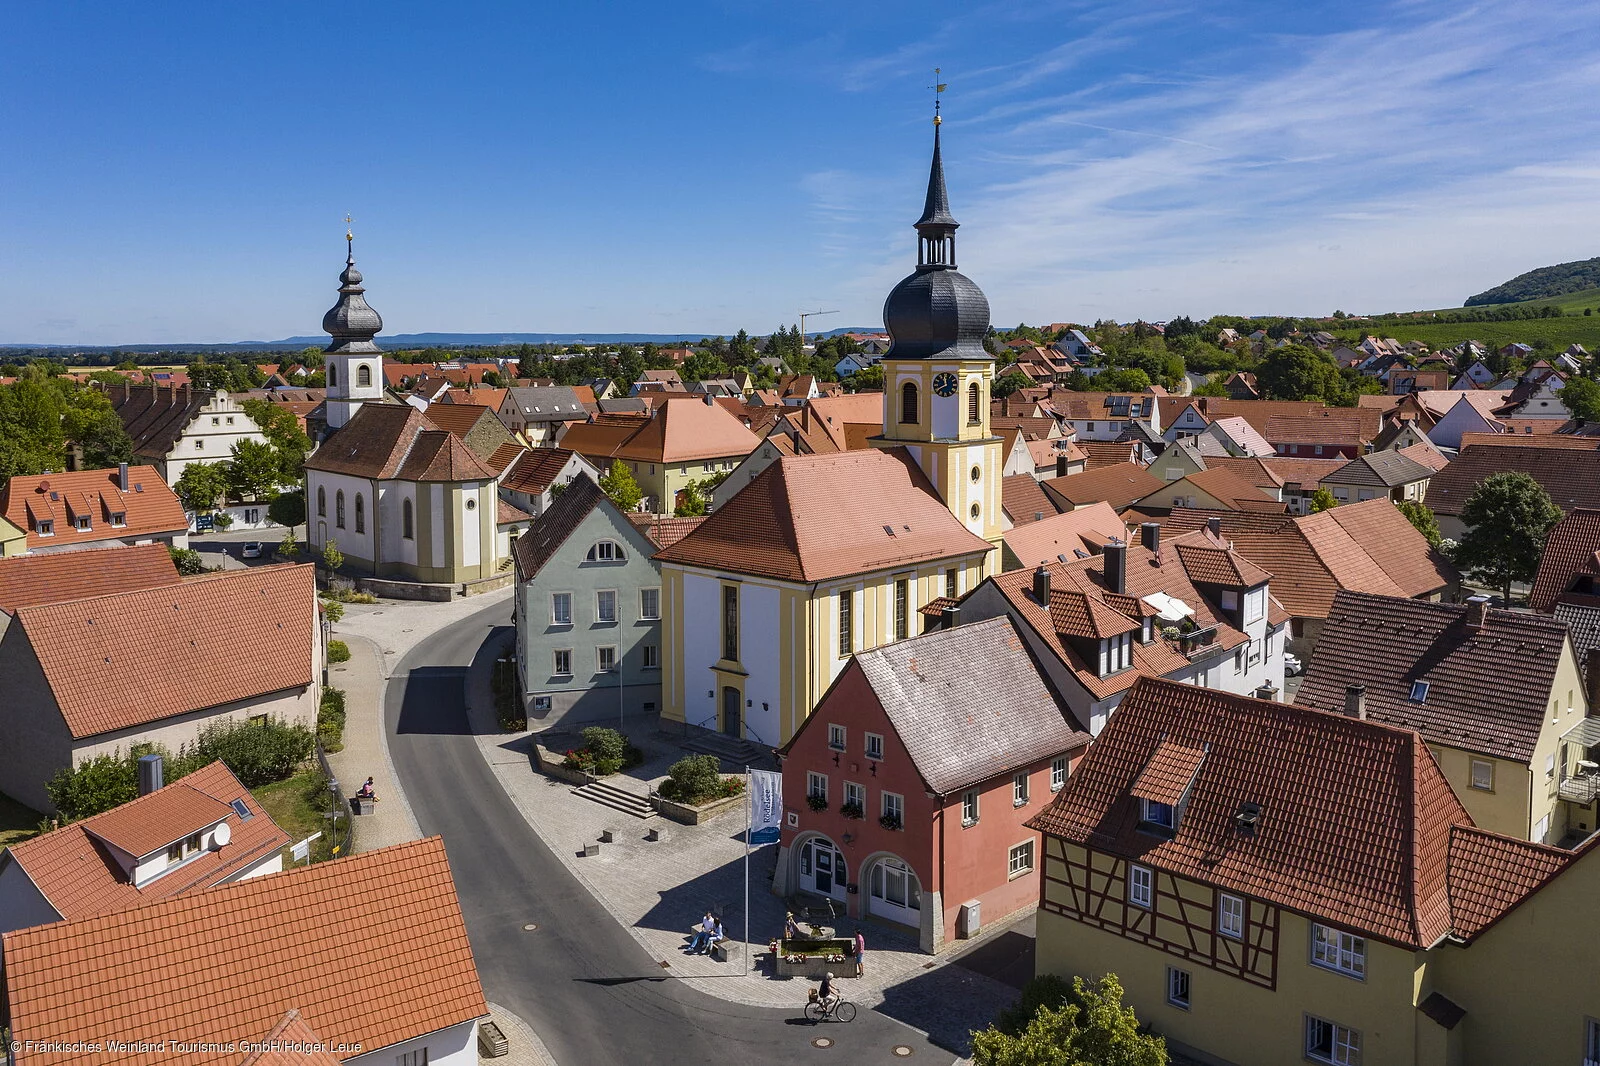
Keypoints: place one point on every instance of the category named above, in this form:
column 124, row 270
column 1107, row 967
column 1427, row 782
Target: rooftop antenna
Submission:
column 805, row 315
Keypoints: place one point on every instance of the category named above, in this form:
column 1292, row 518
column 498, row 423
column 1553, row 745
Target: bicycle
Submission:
column 841, row 1011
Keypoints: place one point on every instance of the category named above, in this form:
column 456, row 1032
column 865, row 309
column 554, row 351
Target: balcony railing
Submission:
column 1198, row 643
column 1581, row 789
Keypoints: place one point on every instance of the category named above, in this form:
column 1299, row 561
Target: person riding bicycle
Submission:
column 826, row 995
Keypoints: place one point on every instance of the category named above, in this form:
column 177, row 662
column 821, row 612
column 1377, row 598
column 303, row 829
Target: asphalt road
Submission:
column 581, row 980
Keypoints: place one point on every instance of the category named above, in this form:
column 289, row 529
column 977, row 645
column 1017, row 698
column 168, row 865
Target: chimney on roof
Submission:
column 1041, row 585
column 149, row 773
column 711, row 400
column 127, row 388
column 1150, row 535
column 1038, row 516
column 122, row 476
column 1269, row 691
column 950, row 617
column 1477, row 612
column 1214, row 524
column 1116, row 567
column 1061, row 466
column 1355, row 701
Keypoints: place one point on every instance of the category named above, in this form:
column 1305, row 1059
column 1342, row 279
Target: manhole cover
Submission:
column 901, row 1050
column 530, row 927
column 665, row 965
column 822, row 1042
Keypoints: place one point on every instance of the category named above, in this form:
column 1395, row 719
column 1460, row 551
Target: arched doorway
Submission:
column 894, row 892
column 823, row 869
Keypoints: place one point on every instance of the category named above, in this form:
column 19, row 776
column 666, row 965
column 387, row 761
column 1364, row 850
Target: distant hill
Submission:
column 1542, row 283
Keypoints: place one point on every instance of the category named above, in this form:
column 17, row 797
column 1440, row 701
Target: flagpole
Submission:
column 749, row 820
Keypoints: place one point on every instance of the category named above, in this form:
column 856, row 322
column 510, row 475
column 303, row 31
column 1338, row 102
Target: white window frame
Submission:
column 970, row 811
column 1019, row 790
column 556, row 662
column 816, row 784
column 837, row 736
column 1475, row 766
column 1019, row 860
column 1058, row 773
column 1345, row 1043
column 419, row 1057
column 606, row 551
column 857, row 794
column 1339, row 951
column 647, row 611
column 555, row 612
column 652, row 656
column 874, row 746
column 1179, row 988
column 600, row 658
column 1230, row 916
column 599, row 605
column 1141, row 886
column 1419, row 692
column 895, row 804
column 1148, row 810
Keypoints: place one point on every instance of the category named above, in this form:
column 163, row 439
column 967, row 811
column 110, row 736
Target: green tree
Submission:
column 1420, row 515
column 202, row 485
column 1295, row 372
column 187, row 561
column 1582, row 397
column 692, row 501
column 254, row 471
column 1096, row 1030
column 1120, row 380
column 1008, row 383
column 332, row 557
column 95, row 786
column 283, row 432
column 1507, row 517
column 703, row 365
column 288, row 509
column 1322, row 500
column 90, row 422
column 619, row 484
column 867, row 379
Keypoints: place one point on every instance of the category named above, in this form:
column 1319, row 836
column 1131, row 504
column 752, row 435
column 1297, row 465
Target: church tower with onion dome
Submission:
column 937, row 375
column 354, row 361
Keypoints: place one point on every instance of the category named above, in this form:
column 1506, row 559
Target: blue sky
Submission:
column 180, row 172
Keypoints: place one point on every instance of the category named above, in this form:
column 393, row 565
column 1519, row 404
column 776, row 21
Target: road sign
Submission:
column 204, row 523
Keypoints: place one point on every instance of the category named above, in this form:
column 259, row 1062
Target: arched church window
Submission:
column 322, row 502
column 405, row 519
column 333, row 375
column 364, row 375
column 338, row 509
column 361, row 514
column 974, row 404
column 908, row 403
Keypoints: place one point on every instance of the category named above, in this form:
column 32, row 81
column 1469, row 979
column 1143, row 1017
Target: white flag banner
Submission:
column 766, row 806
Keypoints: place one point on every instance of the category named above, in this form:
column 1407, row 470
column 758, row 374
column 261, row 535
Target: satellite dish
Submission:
column 222, row 834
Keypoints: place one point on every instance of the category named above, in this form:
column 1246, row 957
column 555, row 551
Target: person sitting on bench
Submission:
column 718, row 935
column 703, row 935
column 365, row 791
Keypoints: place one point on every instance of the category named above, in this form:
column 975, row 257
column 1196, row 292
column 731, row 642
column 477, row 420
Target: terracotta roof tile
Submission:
column 1356, row 422
column 1083, row 530
column 1074, row 613
column 438, row 455
column 457, row 418
column 1023, row 500
column 688, row 430
column 816, row 517
column 1364, row 848
column 1470, row 701
column 968, row 703
column 1211, row 565
column 1306, row 473
column 81, row 878
column 390, row 960
column 1489, row 874
column 166, row 816
column 1427, row 454
column 155, row 417
column 395, row 441
column 1379, row 469
column 536, row 470
column 109, row 660
column 27, row 580
column 1119, row 485
column 1571, row 553
column 279, row 1047
column 1571, row 477
column 1103, row 453
column 150, row 507
column 506, row 512
column 504, row 455
column 539, row 545
column 1565, row 441
column 1229, row 488
column 1169, row 773
column 664, row 530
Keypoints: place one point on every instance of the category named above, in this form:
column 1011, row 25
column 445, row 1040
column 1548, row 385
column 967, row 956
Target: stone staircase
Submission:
column 735, row 752
column 618, row 799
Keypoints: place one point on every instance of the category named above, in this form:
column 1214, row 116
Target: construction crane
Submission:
column 809, row 314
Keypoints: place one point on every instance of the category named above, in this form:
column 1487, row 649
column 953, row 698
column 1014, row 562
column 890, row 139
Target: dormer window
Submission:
column 184, row 849
column 1419, row 692
column 1147, row 632
column 45, row 527
column 1116, row 653
column 606, row 551
column 1157, row 815
column 81, row 522
column 119, row 518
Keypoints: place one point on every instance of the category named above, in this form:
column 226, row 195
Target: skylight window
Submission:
column 240, row 809
column 1419, row 692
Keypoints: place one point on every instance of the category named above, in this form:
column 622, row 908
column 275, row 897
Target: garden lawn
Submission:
column 297, row 804
column 18, row 821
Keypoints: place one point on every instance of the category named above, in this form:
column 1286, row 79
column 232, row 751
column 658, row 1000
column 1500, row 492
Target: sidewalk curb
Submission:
column 504, row 1016
column 383, row 732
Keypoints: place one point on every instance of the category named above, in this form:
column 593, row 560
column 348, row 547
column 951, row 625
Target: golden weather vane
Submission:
column 349, row 234
column 937, row 87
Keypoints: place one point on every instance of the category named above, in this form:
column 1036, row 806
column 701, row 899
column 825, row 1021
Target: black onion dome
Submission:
column 351, row 322
column 937, row 312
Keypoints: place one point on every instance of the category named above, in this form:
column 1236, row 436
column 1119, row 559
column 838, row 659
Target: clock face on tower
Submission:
column 944, row 384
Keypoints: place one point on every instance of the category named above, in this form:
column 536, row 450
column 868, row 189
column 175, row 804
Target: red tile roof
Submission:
column 1365, row 848
column 1083, row 530
column 1233, row 491
column 283, row 1045
column 110, row 660
column 1571, row 477
column 1489, row 874
column 1119, row 485
column 1427, row 454
column 389, row 960
column 80, row 878
column 1024, row 501
column 536, row 470
column 1489, row 689
column 396, row 441
column 27, row 580
column 1571, row 552
column 688, row 430
column 664, row 531
column 816, row 517
column 150, row 507
column 1168, row 774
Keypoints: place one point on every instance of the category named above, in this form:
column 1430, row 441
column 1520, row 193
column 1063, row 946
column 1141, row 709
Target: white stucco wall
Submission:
column 471, row 523
column 702, row 647
column 351, row 543
column 759, row 651
column 21, row 903
column 455, row 1046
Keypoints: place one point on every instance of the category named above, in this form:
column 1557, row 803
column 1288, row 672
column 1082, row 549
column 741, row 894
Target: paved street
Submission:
column 592, row 993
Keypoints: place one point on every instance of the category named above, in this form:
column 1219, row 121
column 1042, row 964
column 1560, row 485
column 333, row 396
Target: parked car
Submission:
column 1292, row 666
column 252, row 550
